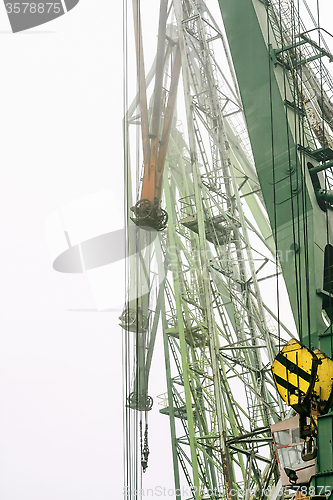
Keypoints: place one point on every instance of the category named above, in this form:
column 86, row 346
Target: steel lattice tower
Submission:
column 220, row 337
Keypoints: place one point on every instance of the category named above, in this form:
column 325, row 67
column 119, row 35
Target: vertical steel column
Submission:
column 182, row 341
column 227, row 468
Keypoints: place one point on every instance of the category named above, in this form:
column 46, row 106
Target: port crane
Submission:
column 247, row 196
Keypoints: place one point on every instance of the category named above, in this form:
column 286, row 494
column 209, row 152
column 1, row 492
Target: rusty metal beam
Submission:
column 167, row 122
column 141, row 81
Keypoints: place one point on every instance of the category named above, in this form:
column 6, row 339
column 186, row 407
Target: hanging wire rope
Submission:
column 274, row 183
column 308, row 81
column 132, row 475
column 301, row 198
column 297, row 99
column 300, row 224
column 126, row 452
column 285, row 87
column 137, row 331
column 327, row 261
column 136, row 433
column 316, row 23
column 305, row 210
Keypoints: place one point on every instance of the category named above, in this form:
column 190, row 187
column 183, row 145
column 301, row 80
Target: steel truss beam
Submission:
column 219, row 336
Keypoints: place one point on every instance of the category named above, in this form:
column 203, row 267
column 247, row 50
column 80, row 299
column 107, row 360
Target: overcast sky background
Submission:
column 60, row 370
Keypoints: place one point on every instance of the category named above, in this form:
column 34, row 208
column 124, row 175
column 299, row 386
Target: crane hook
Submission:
column 309, row 451
column 144, row 449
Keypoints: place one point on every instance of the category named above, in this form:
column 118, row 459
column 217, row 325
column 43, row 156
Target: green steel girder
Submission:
column 202, row 303
column 321, row 52
column 290, row 200
column 281, row 156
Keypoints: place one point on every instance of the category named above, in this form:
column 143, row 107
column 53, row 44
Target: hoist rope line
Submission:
column 274, row 178
column 289, row 158
column 300, row 181
column 132, row 469
column 305, row 206
column 126, row 464
column 328, row 245
column 316, row 23
column 302, row 196
column 137, row 415
column 293, row 208
column 298, row 174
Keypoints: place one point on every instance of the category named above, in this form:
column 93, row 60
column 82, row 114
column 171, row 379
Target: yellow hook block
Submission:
column 294, row 371
column 323, row 387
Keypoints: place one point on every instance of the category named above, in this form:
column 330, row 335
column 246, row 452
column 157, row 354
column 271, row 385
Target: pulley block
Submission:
column 134, row 320
column 140, row 402
column 149, row 215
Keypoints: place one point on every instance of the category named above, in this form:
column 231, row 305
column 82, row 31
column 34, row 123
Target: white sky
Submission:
column 60, row 371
